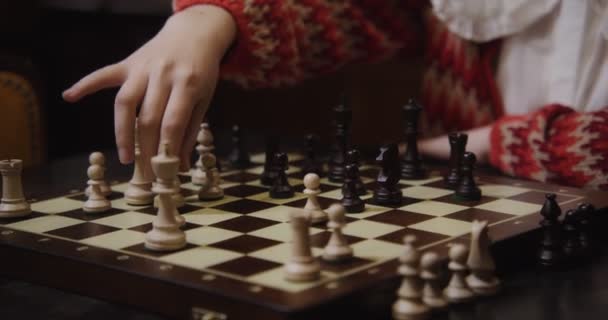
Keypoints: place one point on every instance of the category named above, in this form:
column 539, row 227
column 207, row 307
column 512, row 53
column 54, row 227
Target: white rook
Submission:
column 13, row 202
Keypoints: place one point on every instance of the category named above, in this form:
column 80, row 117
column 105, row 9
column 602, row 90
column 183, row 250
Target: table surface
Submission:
column 580, row 292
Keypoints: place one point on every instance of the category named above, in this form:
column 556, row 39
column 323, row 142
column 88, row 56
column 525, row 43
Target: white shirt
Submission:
column 553, row 51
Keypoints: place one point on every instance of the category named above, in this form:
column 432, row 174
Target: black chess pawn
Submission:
column 411, row 166
column 387, row 190
column 281, row 189
column 311, row 163
column 571, row 235
column 342, row 125
column 350, row 197
column 550, row 253
column 354, row 157
column 269, row 174
column 238, row 157
column 467, row 189
column 585, row 212
column 458, row 143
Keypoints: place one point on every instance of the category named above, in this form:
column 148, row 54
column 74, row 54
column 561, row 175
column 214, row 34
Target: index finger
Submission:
column 106, row 77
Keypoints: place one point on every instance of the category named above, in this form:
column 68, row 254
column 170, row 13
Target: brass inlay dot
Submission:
column 208, row 277
column 165, row 267
column 44, row 240
column 82, row 248
column 122, row 258
column 7, row 232
column 518, row 222
column 74, row 191
column 332, row 285
column 373, row 271
column 255, row 288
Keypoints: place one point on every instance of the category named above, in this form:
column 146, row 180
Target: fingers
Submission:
column 106, row 77
column 198, row 115
column 437, row 148
column 177, row 116
column 128, row 98
column 150, row 117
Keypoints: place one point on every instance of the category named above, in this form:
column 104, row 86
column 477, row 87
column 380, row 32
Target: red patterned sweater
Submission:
column 281, row 42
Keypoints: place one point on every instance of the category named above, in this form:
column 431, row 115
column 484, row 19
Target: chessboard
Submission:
column 232, row 266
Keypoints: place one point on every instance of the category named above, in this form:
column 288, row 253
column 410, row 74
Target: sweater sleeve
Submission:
column 554, row 144
column 282, row 42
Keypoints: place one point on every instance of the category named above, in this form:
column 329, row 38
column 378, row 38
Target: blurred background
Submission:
column 45, row 46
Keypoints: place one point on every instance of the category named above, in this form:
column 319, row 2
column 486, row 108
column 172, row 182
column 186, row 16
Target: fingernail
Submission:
column 124, row 156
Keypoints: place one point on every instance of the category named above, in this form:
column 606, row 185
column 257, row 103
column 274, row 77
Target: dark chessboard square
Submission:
column 241, row 177
column 371, row 186
column 186, row 208
column 244, row 224
column 244, row 206
column 422, row 237
column 144, row 228
column 538, row 197
column 245, row 244
column 244, row 190
column 319, row 240
column 400, row 217
column 342, row 266
column 83, row 231
column 148, row 210
column 83, row 197
column 184, row 178
column 324, row 202
column 88, row 216
column 245, row 266
column 369, row 173
column 452, row 200
column 141, row 249
column 32, row 215
column 404, row 202
column 187, row 192
column 479, row 214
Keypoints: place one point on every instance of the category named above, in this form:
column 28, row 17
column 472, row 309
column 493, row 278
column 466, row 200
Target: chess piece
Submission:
column 205, row 145
column 97, row 158
column 354, row 157
column 311, row 164
column 387, row 191
column 139, row 190
column 165, row 234
column 458, row 143
column 481, row 279
column 350, row 197
column 13, row 202
column 467, row 189
column 337, row 248
column 302, row 265
column 550, row 253
column 411, row 166
column 312, row 206
column 280, row 188
column 211, row 190
column 586, row 212
column 572, row 247
column 409, row 305
column 239, row 157
column 269, row 174
column 96, row 201
column 430, row 272
column 457, row 290
column 178, row 197
column 342, row 125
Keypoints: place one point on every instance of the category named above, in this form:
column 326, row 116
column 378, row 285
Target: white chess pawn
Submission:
column 311, row 185
column 211, row 189
column 302, row 265
column 96, row 201
column 337, row 248
column 165, row 234
column 13, row 202
column 481, row 279
column 457, row 290
column 205, row 146
column 97, row 158
column 430, row 269
column 409, row 305
column 139, row 191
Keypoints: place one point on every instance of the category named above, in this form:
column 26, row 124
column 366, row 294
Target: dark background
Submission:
column 63, row 45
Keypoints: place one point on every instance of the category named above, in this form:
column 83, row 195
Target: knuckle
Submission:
column 189, row 77
column 125, row 100
column 147, row 123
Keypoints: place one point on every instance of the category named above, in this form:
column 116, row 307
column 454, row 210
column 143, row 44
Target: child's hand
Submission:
column 478, row 143
column 172, row 77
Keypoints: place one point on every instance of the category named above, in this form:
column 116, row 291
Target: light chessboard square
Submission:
column 370, row 210
column 369, row 229
column 45, row 223
column 56, row 205
column 276, row 213
column 434, row 208
column 121, row 203
column 126, row 220
column 373, row 249
column 208, row 235
column 509, row 206
column 444, row 226
column 208, row 216
column 425, row 193
column 280, row 232
column 265, row 196
column 193, row 200
column 501, row 191
column 200, row 257
column 279, row 253
column 420, row 182
column 116, row 240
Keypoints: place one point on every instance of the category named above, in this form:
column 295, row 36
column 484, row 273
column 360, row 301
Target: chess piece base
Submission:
column 457, row 295
column 407, row 310
column 353, row 206
column 483, row 287
column 318, row 216
column 411, row 171
column 435, row 302
column 211, row 195
column 474, row 195
column 160, row 239
column 139, row 195
column 337, row 254
column 14, row 210
column 281, row 193
column 178, row 200
column 383, row 197
column 96, row 206
column 302, row 271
